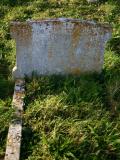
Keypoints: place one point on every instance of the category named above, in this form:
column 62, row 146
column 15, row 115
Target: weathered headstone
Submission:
column 92, row 1
column 59, row 46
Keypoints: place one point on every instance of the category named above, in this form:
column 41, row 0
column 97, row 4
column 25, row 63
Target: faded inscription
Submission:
column 59, row 46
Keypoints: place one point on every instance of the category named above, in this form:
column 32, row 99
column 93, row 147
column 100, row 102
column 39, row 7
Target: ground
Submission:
column 65, row 117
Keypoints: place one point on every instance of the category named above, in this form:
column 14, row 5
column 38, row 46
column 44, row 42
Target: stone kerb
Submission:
column 59, row 46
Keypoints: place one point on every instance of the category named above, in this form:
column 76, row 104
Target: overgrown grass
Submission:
column 74, row 117
column 65, row 117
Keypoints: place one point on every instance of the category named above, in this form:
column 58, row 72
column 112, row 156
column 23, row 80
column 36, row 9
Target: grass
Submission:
column 6, row 91
column 65, row 117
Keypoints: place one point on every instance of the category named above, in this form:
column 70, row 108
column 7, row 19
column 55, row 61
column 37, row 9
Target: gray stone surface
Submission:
column 15, row 129
column 92, row 1
column 59, row 46
column 14, row 141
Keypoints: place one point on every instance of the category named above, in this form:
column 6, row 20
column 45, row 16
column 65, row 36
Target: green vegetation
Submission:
column 66, row 118
column 6, row 91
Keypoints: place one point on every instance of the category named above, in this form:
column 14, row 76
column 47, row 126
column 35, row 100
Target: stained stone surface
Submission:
column 92, row 1
column 59, row 46
column 15, row 128
column 14, row 141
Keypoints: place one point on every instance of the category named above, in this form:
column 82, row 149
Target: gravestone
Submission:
column 59, row 46
column 92, row 1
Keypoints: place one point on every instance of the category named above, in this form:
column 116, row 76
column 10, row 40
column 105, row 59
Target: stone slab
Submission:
column 92, row 1
column 15, row 128
column 59, row 46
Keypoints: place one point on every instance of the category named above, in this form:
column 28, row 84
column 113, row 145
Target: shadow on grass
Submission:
column 30, row 138
column 6, row 83
column 3, row 136
column 89, row 86
column 6, row 88
column 86, row 88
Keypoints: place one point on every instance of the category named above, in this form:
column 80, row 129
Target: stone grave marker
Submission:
column 59, row 46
